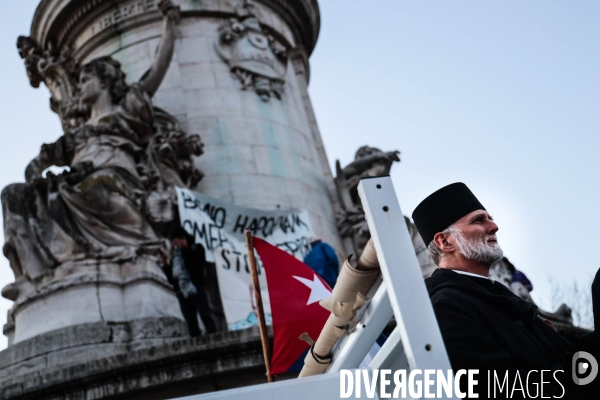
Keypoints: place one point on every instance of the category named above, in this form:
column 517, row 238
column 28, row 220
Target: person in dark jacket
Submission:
column 186, row 272
column 484, row 325
column 323, row 260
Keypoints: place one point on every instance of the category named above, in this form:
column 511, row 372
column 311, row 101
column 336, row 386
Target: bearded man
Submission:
column 484, row 325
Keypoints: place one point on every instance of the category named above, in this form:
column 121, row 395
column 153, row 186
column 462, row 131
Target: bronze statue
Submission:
column 369, row 162
column 124, row 156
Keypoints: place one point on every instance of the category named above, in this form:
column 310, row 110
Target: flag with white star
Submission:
column 295, row 291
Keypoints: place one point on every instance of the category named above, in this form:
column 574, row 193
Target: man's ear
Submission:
column 441, row 241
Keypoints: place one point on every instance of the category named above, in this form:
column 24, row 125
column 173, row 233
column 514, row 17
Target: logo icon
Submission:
column 584, row 367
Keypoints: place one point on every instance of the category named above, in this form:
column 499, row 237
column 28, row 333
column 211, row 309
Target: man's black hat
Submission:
column 443, row 208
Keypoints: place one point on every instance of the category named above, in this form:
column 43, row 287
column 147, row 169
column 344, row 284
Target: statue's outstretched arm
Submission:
column 153, row 78
column 357, row 167
column 44, row 160
column 58, row 153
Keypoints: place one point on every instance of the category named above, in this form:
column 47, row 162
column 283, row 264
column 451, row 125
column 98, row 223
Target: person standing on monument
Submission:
column 187, row 273
column 484, row 324
column 323, row 260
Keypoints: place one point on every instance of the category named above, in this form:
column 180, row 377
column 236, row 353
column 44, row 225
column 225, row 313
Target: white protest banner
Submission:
column 219, row 227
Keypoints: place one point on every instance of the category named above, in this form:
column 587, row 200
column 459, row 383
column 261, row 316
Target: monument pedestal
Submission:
column 90, row 291
column 142, row 359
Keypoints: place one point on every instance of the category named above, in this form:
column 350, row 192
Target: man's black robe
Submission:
column 487, row 327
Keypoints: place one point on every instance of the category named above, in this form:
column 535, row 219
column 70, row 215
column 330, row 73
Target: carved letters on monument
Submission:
column 256, row 58
column 117, row 200
column 124, row 12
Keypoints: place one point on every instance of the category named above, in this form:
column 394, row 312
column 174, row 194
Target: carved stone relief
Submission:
column 254, row 57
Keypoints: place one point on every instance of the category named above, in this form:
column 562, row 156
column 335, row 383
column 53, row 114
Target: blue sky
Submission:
column 501, row 95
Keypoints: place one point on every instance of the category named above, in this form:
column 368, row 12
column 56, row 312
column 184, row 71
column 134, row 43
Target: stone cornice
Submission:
column 55, row 21
column 134, row 360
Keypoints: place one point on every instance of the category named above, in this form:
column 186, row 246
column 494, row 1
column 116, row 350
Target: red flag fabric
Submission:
column 294, row 292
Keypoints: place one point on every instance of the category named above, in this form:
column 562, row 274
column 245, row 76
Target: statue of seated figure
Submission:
column 116, row 200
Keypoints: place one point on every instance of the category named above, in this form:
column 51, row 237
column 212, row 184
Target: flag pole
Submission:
column 262, row 325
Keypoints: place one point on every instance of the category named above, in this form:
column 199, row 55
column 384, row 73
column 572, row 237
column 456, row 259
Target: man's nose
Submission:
column 493, row 228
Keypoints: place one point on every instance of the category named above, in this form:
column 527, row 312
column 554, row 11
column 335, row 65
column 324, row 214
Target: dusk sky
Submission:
column 501, row 95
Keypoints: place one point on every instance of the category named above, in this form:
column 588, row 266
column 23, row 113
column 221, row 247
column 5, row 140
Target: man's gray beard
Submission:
column 478, row 250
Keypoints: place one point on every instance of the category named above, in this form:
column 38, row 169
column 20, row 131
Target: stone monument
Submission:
column 134, row 83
